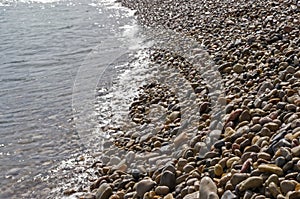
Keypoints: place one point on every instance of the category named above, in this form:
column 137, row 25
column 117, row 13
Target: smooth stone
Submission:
column 272, row 126
column 280, row 161
column 296, row 151
column 114, row 197
column 252, row 148
column 208, row 189
column 256, row 128
column 260, row 197
column 219, row 144
column 162, row 190
column 238, row 177
column 290, row 69
column 144, row 186
column 245, row 116
column 228, row 195
column 114, row 161
column 287, row 185
column 264, row 156
column 248, row 194
column 191, row 195
column 181, row 163
column 251, row 183
column 265, row 120
column 181, row 139
column 104, row 191
column 218, row 170
column 238, row 68
column 174, row 115
column 170, row 168
column 264, row 86
column 271, row 168
column 168, row 179
column 288, row 166
column 188, row 168
column 285, row 153
column 234, row 115
column 293, row 195
column 230, row 161
column 274, row 189
column 169, row 196
column 264, row 132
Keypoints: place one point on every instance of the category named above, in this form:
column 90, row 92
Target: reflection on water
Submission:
column 43, row 43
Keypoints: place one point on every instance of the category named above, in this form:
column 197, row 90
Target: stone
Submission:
column 296, row 151
column 271, row 168
column 251, row 183
column 280, row 161
column 272, row 126
column 228, row 195
column 287, row 185
column 191, row 195
column 252, row 148
column 245, row 116
column 238, row 68
column 104, row 191
column 181, row 163
column 208, row 189
column 170, row 168
column 174, row 115
column 169, row 196
column 180, row 139
column 256, row 128
column 238, row 177
column 294, row 195
column 218, row 170
column 188, row 168
column 114, row 197
column 234, row 115
column 168, row 179
column 144, row 186
column 230, row 161
column 290, row 69
column 274, row 189
column 264, row 156
column 162, row 190
column 265, row 120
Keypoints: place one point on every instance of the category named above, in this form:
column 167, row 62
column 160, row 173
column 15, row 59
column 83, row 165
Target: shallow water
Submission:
column 46, row 49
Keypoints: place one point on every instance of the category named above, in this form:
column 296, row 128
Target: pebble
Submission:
column 168, row 179
column 169, row 196
column 104, row 191
column 162, row 190
column 270, row 168
column 238, row 177
column 287, row 185
column 293, row 195
column 274, row 189
column 228, row 195
column 256, row 53
column 208, row 189
column 144, row 186
column 296, row 151
column 191, row 195
column 272, row 126
column 250, row 183
column 188, row 168
column 280, row 161
column 238, row 68
column 218, row 170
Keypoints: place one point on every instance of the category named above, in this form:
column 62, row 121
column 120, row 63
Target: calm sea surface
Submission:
column 44, row 47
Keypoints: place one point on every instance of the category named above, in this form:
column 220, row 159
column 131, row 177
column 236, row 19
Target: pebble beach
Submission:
column 254, row 46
